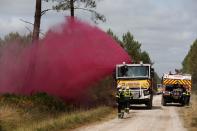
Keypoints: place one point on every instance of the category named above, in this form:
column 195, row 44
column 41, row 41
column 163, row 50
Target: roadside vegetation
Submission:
column 42, row 112
column 190, row 63
column 189, row 114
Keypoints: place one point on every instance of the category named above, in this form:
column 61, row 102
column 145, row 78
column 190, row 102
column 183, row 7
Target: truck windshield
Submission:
column 133, row 71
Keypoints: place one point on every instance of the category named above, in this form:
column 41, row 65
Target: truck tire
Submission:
column 163, row 101
column 187, row 100
column 149, row 104
column 182, row 102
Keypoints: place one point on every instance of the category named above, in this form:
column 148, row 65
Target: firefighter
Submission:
column 124, row 70
column 123, row 99
column 128, row 97
column 120, row 101
column 187, row 96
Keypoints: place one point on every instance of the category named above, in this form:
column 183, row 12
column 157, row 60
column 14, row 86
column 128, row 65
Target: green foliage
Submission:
column 157, row 78
column 102, row 93
column 85, row 5
column 12, row 36
column 115, row 37
column 145, row 57
column 132, row 47
column 190, row 62
column 51, row 103
column 189, row 114
column 15, row 37
column 39, row 101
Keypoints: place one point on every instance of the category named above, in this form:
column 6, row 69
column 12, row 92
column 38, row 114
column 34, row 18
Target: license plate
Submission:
column 136, row 95
column 176, row 94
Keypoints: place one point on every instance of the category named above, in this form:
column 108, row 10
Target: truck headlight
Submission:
column 167, row 93
column 118, row 86
column 146, row 92
column 120, row 90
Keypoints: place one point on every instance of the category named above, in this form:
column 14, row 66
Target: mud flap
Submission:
column 163, row 101
column 187, row 100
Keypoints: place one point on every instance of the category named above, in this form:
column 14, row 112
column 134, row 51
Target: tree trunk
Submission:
column 72, row 8
column 37, row 20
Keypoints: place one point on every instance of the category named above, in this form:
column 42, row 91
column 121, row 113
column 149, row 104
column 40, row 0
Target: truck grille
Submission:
column 136, row 94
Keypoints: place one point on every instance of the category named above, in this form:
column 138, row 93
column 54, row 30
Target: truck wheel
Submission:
column 163, row 101
column 183, row 103
column 187, row 100
column 149, row 104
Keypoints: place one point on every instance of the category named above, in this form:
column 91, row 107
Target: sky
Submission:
column 165, row 28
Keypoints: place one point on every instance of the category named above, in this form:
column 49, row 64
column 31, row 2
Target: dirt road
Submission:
column 139, row 119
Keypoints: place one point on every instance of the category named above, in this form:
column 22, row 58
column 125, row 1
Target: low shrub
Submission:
column 39, row 101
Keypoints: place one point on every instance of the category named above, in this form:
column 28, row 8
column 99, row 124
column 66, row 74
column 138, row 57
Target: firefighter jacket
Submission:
column 123, row 95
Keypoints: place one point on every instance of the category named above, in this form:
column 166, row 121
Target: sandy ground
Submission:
column 139, row 119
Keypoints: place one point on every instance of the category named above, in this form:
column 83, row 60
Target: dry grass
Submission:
column 13, row 119
column 8, row 117
column 189, row 114
column 69, row 121
column 41, row 112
